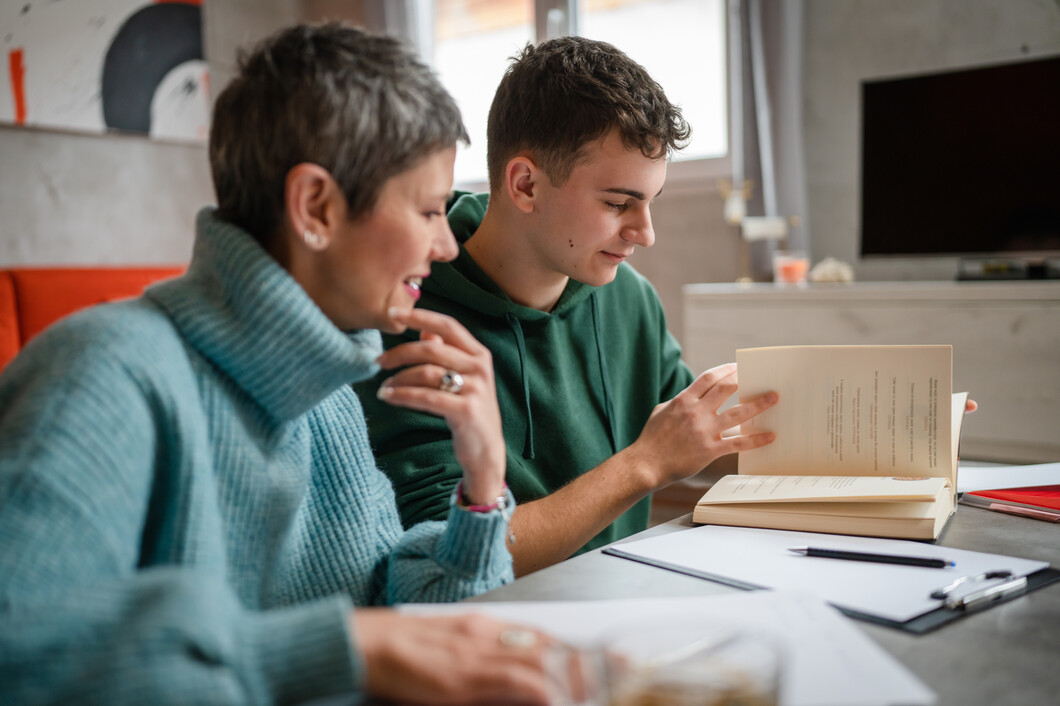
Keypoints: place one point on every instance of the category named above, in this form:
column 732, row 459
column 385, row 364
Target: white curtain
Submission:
column 410, row 20
column 768, row 117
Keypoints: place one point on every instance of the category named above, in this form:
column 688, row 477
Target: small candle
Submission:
column 790, row 267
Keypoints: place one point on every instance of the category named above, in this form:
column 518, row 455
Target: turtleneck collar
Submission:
column 245, row 314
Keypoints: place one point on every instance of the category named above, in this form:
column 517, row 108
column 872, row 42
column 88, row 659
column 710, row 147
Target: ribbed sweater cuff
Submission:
column 474, row 542
column 304, row 652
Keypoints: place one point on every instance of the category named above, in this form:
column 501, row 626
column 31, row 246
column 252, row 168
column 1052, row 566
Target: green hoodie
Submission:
column 575, row 385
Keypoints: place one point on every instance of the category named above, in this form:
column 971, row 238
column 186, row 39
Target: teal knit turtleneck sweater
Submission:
column 189, row 507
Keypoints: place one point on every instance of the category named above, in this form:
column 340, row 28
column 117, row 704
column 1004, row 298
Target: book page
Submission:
column 996, row 477
column 766, row 489
column 857, row 514
column 851, row 410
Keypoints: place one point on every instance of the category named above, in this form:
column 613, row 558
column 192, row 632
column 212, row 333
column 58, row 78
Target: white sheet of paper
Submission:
column 760, row 557
column 830, row 661
column 971, row 478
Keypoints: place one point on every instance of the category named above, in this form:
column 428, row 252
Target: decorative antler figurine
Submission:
column 735, row 199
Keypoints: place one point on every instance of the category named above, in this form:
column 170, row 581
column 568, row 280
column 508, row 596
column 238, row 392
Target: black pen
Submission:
column 878, row 558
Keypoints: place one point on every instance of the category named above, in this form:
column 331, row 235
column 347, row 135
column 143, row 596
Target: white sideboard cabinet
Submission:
column 1005, row 338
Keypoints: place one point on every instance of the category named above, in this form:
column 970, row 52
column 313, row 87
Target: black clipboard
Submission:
column 919, row 625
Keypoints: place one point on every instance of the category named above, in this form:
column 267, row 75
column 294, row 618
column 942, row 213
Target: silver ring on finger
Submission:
column 452, row 381
column 515, row 637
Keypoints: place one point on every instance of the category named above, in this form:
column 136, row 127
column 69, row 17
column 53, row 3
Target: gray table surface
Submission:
column 1008, row 654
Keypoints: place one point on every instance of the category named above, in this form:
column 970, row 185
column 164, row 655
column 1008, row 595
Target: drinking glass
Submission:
column 673, row 663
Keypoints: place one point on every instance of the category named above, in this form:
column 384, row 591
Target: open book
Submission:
column 866, row 442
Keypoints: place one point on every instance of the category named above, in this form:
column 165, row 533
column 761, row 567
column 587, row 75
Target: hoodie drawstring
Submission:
column 517, row 328
column 609, row 409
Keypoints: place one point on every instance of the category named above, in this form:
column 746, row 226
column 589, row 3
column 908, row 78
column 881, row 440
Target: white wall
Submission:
column 86, row 199
column 850, row 40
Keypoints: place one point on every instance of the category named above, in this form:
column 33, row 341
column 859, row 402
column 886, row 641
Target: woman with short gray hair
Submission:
column 190, row 511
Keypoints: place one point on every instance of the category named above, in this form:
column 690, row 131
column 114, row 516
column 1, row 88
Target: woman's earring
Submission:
column 313, row 240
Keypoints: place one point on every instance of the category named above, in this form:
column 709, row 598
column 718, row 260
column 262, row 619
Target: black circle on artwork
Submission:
column 152, row 42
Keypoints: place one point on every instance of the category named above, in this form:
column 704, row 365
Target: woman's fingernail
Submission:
column 383, row 392
column 393, row 312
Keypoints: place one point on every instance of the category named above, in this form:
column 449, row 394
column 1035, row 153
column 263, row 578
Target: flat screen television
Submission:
column 963, row 163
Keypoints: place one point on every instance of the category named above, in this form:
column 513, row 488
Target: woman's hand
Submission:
column 464, row 659
column 686, row 433
column 470, row 408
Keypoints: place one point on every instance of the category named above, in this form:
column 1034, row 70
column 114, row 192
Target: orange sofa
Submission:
column 31, row 298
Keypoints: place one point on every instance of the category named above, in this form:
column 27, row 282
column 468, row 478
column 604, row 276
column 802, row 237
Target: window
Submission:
column 474, row 39
column 685, row 54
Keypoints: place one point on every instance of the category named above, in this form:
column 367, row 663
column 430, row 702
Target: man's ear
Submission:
column 522, row 182
column 309, row 197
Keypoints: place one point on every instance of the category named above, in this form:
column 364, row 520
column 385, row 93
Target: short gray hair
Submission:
column 360, row 105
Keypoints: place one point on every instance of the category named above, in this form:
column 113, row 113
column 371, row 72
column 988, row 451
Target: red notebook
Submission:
column 1041, row 502
column 1042, row 496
